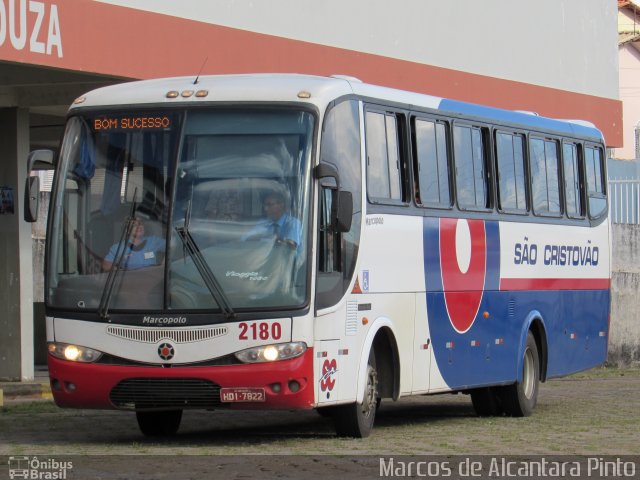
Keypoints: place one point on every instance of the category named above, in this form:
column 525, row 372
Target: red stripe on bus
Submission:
column 555, row 284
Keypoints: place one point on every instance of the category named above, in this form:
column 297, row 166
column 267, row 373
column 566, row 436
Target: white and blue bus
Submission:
column 300, row 242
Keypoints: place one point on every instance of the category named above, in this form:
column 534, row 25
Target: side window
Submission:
column 384, row 178
column 431, row 152
column 596, row 192
column 510, row 164
column 572, row 181
column 545, row 188
column 471, row 167
column 337, row 252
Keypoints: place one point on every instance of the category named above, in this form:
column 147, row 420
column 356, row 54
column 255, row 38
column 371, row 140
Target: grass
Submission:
column 29, row 407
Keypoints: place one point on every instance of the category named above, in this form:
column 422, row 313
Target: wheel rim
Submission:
column 371, row 393
column 529, row 374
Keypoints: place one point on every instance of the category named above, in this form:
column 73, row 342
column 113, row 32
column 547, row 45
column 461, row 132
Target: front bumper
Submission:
column 288, row 384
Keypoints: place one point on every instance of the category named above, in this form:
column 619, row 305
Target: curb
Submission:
column 13, row 392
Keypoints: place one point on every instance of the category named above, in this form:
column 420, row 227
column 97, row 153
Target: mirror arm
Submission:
column 341, row 215
column 327, row 170
column 43, row 157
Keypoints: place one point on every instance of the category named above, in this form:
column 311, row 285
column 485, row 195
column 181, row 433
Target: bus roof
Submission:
column 221, row 88
column 315, row 90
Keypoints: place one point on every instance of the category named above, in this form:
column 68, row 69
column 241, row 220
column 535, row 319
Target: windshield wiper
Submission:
column 210, row 280
column 107, row 291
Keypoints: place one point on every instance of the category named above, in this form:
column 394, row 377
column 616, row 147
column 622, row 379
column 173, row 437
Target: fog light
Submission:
column 276, row 387
column 71, row 387
column 294, row 386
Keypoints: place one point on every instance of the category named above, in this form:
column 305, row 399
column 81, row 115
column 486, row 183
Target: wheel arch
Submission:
column 536, row 325
column 382, row 340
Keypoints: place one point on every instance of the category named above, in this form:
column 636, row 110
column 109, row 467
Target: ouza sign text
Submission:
column 30, row 25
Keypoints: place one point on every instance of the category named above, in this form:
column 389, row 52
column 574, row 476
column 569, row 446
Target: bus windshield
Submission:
column 194, row 210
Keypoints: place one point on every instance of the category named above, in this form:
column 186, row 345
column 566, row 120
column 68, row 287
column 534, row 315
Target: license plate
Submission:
column 242, row 395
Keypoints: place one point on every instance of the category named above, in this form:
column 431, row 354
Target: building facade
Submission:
column 629, row 78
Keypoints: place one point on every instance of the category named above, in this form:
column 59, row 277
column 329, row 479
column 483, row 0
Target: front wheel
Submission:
column 356, row 419
column 519, row 399
column 158, row 424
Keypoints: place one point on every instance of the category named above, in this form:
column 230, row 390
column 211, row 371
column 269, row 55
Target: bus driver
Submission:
column 278, row 222
column 140, row 251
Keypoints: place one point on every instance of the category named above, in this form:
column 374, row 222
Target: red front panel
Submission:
column 78, row 385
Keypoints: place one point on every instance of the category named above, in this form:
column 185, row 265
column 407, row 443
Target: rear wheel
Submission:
column 356, row 419
column 157, row 424
column 520, row 399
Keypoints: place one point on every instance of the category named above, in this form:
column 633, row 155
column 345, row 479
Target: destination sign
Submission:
column 140, row 122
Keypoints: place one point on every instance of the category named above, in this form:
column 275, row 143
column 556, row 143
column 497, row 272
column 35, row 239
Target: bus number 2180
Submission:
column 260, row 331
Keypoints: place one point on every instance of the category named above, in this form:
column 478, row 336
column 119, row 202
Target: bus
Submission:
column 425, row 245
column 19, row 467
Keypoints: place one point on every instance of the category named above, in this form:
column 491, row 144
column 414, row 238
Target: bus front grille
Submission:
column 165, row 393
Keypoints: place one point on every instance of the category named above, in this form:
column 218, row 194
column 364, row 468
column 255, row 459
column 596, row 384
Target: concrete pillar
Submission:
column 16, row 265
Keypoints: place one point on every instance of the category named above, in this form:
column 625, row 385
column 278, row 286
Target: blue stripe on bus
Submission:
column 431, row 246
column 488, row 353
column 525, row 120
column 492, row 280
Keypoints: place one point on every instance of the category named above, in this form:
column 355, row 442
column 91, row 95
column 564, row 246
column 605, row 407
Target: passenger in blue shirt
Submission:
column 141, row 251
column 279, row 224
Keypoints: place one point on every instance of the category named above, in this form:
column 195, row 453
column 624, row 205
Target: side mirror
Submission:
column 342, row 211
column 40, row 160
column 31, row 199
column 37, row 160
column 342, row 204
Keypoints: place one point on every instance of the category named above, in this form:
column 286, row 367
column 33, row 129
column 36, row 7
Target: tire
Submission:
column 355, row 419
column 520, row 399
column 487, row 402
column 158, row 424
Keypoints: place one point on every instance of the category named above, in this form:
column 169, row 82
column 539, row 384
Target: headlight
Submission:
column 271, row 353
column 73, row 353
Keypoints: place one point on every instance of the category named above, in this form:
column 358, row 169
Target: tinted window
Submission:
column 595, row 181
column 337, row 252
column 511, row 183
column 572, row 184
column 471, row 171
column 433, row 169
column 545, row 188
column 383, row 157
